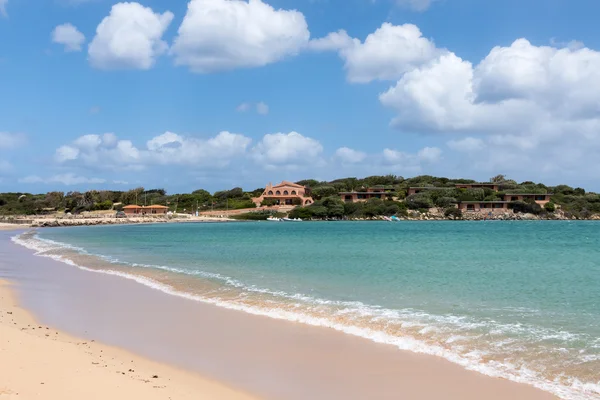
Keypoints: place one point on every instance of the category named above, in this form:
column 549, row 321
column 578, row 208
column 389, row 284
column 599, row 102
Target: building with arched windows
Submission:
column 285, row 193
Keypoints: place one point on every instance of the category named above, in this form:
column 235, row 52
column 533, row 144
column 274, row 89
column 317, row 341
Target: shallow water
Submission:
column 514, row 299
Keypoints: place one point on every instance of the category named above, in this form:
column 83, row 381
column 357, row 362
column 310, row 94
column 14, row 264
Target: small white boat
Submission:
column 274, row 219
column 291, row 219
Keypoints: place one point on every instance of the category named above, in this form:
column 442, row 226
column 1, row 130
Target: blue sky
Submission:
column 221, row 93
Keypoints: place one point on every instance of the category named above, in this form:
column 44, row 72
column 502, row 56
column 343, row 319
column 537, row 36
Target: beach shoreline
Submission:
column 273, row 359
column 40, row 362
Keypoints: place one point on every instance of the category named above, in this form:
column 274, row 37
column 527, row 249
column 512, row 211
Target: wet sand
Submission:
column 269, row 358
column 42, row 363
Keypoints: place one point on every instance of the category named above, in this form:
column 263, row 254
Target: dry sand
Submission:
column 38, row 362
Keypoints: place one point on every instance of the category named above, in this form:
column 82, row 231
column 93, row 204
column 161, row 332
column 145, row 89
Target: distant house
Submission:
column 144, row 210
column 285, row 193
column 503, row 205
column 483, row 206
column 415, row 190
column 368, row 193
column 132, row 210
column 540, row 199
column 494, row 186
column 499, row 205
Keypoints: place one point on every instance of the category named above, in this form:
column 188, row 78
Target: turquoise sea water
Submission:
column 514, row 299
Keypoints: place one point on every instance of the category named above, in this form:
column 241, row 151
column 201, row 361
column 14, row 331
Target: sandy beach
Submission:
column 194, row 345
column 39, row 362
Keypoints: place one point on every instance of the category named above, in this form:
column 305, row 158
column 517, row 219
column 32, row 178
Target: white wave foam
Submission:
column 576, row 390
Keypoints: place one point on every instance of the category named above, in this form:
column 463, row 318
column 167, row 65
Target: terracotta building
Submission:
column 483, row 206
column 369, row 193
column 285, row 193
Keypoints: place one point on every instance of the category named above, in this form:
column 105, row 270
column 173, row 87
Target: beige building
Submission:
column 285, row 193
column 145, row 210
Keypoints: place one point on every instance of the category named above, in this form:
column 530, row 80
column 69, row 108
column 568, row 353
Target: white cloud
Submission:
column 429, row 154
column 67, row 179
column 262, row 108
column 130, row 37
column 425, row 155
column 243, row 107
column 11, row 140
column 287, row 149
column 349, row 156
column 536, row 107
column 221, row 35
column 3, row 4
column 386, row 54
column 520, row 90
column 467, row 145
column 334, row 41
column 66, row 153
column 107, row 151
column 69, row 36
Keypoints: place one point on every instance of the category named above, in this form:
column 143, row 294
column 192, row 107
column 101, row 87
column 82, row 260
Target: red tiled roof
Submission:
column 132, row 206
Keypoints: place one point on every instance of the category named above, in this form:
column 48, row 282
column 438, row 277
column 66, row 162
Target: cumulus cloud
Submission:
column 68, row 179
column 349, row 156
column 69, row 36
column 219, row 35
column 11, row 140
column 532, row 106
column 385, row 54
column 521, row 90
column 287, row 149
column 66, row 153
column 108, row 151
column 130, row 37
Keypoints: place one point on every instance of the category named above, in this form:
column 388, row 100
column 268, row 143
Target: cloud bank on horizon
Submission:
column 523, row 109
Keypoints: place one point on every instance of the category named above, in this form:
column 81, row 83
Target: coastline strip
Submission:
column 39, row 362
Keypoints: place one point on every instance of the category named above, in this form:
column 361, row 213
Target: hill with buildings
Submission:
column 342, row 198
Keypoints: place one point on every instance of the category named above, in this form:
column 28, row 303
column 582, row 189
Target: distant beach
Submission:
column 285, row 352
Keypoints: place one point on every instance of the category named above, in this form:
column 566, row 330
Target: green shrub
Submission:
column 268, row 202
column 550, row 207
column 525, row 207
column 445, row 202
column 453, row 212
column 419, row 200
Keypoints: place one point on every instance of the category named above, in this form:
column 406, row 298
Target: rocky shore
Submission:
column 432, row 215
column 50, row 222
column 438, row 215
